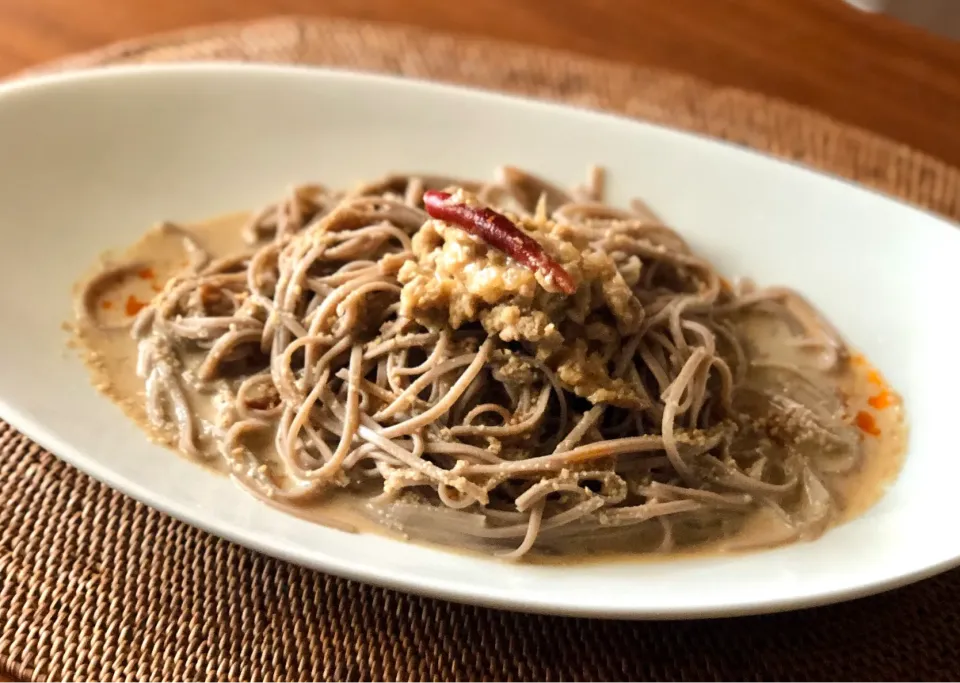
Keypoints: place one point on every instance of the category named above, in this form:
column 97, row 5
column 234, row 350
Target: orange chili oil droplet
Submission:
column 134, row 305
column 874, row 378
column 146, row 273
column 867, row 424
column 882, row 400
column 107, row 305
column 858, row 359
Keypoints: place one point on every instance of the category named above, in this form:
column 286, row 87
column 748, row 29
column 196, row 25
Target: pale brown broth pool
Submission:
column 111, row 356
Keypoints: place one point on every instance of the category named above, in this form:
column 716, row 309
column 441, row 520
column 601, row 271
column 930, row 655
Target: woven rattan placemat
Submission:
column 96, row 586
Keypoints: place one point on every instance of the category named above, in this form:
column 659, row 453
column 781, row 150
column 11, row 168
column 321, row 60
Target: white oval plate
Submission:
column 91, row 160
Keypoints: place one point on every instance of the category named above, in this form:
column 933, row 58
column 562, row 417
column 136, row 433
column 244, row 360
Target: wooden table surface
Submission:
column 862, row 69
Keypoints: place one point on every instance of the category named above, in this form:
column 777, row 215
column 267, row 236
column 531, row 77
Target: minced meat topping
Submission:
column 455, row 279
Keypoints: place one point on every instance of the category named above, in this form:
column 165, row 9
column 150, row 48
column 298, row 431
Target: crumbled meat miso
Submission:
column 455, row 279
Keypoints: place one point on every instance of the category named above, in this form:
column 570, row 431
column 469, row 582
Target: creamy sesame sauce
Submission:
column 111, row 356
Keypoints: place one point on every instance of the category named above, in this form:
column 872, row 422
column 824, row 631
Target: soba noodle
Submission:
column 359, row 345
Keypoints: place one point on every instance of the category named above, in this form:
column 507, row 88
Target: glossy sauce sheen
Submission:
column 111, row 356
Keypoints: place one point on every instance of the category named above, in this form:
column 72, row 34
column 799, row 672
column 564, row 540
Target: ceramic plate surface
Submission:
column 91, row 160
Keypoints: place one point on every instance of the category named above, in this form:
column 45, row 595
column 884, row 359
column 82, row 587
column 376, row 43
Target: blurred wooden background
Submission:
column 862, row 69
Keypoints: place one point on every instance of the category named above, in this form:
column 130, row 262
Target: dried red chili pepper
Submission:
column 500, row 233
